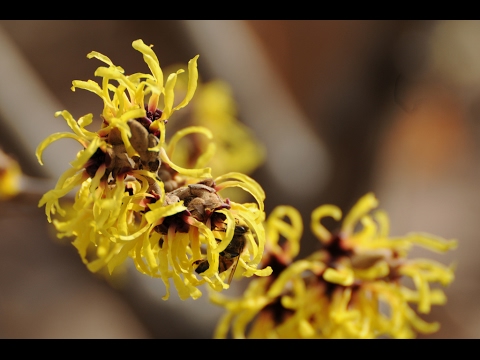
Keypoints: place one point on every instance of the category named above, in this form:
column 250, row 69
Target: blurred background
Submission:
column 342, row 107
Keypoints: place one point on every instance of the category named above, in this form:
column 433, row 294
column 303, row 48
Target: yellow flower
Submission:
column 10, row 177
column 354, row 287
column 134, row 202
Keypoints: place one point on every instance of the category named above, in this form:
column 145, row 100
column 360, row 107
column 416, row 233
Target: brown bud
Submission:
column 115, row 137
column 141, row 141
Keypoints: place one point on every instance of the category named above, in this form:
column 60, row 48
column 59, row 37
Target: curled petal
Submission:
column 362, row 207
column 192, row 82
column 276, row 227
column 151, row 59
column 319, row 213
column 343, row 276
column 184, row 132
column 244, row 182
column 52, row 138
column 204, row 173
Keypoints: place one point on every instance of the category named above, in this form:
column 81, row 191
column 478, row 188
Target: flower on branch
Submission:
column 360, row 284
column 133, row 201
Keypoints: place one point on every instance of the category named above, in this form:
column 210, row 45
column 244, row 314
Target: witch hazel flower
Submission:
column 133, row 202
column 360, row 284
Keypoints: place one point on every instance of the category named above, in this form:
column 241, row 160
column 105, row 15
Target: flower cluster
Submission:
column 360, row 284
column 134, row 202
column 161, row 201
